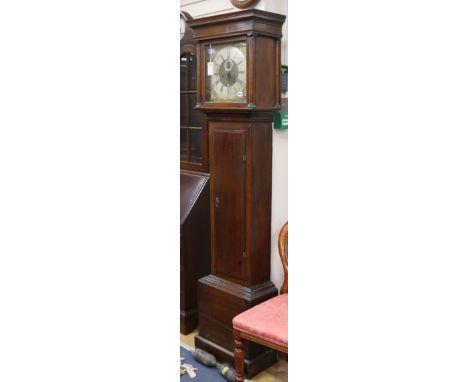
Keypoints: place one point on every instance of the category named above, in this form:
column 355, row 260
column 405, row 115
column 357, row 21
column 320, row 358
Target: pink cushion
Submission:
column 268, row 320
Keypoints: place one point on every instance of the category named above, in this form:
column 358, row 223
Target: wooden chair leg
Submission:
column 239, row 353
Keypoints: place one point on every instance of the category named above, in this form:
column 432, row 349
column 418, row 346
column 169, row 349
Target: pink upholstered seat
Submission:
column 268, row 320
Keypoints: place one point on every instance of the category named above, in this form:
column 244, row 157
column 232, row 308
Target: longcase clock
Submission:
column 238, row 92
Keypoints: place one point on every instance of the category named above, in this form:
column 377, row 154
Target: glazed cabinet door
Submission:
column 228, row 143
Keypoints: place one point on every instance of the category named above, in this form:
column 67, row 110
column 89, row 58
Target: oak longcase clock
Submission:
column 194, row 184
column 238, row 92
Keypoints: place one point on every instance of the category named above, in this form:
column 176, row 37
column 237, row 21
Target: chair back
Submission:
column 283, row 252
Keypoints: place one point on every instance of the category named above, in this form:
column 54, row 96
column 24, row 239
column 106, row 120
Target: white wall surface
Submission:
column 279, row 211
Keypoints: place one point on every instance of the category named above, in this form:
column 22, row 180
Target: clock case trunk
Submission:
column 240, row 205
column 240, row 163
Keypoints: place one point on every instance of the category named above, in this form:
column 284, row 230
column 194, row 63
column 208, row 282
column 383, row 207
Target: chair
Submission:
column 266, row 323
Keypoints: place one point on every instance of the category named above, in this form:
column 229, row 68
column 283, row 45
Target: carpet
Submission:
column 205, row 374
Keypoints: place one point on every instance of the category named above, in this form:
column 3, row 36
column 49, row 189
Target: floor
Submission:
column 276, row 373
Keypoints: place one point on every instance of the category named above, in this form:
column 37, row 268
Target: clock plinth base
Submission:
column 219, row 302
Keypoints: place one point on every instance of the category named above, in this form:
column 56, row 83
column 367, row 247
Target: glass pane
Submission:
column 193, row 72
column 183, row 72
column 195, row 145
column 226, row 72
column 194, row 114
column 183, row 144
column 183, row 110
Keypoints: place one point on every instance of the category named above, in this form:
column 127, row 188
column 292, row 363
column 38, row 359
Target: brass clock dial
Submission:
column 226, row 73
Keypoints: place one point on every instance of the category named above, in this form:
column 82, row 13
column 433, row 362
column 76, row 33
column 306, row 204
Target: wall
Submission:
column 201, row 8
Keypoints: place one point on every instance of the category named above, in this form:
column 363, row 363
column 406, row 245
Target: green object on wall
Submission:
column 281, row 120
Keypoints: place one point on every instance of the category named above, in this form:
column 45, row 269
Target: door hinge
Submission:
column 244, row 158
column 244, row 255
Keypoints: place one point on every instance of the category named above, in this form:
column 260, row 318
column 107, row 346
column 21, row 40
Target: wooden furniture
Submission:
column 194, row 186
column 267, row 323
column 238, row 92
column 193, row 135
column 194, row 243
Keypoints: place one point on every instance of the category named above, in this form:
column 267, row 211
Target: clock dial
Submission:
column 182, row 29
column 226, row 79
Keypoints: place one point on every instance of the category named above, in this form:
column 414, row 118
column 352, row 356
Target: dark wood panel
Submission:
column 238, row 23
column 194, row 243
column 221, row 301
column 191, row 186
column 228, row 200
column 259, row 203
column 265, row 76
